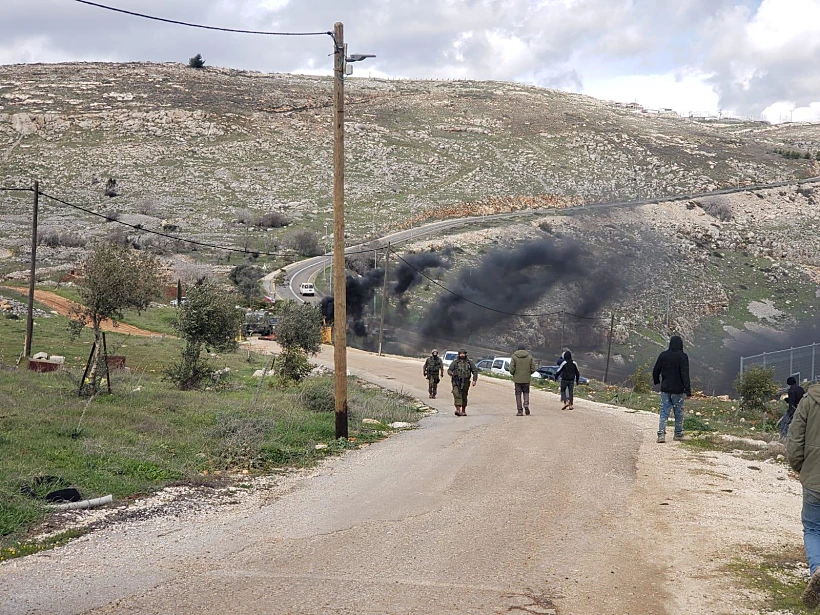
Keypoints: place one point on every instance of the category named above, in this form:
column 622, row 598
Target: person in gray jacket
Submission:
column 803, row 453
column 522, row 365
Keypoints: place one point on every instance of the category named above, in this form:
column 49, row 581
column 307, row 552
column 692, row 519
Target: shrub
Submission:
column 112, row 215
column 292, row 364
column 303, row 242
column 197, row 61
column 756, row 386
column 718, row 207
column 148, row 207
column 57, row 239
column 642, row 379
column 274, row 219
column 318, row 395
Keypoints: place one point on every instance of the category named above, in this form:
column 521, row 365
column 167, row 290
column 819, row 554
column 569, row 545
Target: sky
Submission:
column 756, row 59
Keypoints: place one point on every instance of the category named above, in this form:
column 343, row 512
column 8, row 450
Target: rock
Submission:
column 320, row 447
column 401, row 425
column 371, row 422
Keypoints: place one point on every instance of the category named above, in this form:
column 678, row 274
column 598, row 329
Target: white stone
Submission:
column 401, row 425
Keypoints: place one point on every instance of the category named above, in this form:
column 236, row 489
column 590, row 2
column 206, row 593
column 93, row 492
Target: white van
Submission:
column 449, row 357
column 307, row 289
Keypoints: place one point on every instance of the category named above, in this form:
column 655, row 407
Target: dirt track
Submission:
column 63, row 306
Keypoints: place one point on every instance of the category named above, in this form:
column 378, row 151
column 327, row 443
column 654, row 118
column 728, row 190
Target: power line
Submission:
column 486, row 307
column 142, row 229
column 193, row 25
column 2, row 189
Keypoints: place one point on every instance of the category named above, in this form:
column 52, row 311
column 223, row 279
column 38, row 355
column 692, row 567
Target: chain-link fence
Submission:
column 802, row 362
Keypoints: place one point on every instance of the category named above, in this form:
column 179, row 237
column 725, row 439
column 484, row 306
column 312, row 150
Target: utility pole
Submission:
column 338, row 273
column 384, row 296
column 609, row 346
column 30, row 314
column 561, row 344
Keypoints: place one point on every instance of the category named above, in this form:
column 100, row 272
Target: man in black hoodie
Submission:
column 672, row 373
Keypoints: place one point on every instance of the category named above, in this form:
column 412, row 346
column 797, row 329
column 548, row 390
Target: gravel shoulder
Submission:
column 562, row 512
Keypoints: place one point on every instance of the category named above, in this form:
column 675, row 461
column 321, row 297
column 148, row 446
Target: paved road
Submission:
column 491, row 513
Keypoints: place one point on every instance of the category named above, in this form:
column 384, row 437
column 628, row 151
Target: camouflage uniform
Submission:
column 460, row 371
column 433, row 371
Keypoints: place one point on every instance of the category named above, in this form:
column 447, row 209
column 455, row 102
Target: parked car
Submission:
column 449, row 357
column 549, row 372
column 484, row 365
column 307, row 289
column 501, row 366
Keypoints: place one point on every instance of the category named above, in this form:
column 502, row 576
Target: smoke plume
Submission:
column 509, row 282
column 410, row 269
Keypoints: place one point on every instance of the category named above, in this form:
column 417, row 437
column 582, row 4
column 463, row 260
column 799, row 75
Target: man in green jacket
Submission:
column 522, row 366
column 433, row 371
column 803, row 452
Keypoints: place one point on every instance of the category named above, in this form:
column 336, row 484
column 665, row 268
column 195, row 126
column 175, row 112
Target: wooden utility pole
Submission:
column 339, row 298
column 30, row 315
column 384, row 296
column 609, row 347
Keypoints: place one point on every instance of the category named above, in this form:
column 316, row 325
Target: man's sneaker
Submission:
column 811, row 595
column 678, row 438
column 661, row 439
column 519, row 413
column 527, row 411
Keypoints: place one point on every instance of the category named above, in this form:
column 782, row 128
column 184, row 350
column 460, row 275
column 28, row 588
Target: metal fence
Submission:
column 802, row 362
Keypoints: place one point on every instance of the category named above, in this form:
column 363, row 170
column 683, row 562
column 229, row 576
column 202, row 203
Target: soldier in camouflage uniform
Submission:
column 460, row 372
column 433, row 371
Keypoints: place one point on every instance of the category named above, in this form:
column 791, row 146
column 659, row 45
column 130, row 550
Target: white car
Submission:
column 307, row 289
column 449, row 357
column 501, row 366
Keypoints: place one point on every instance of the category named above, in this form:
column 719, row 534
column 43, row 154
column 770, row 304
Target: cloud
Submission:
column 752, row 54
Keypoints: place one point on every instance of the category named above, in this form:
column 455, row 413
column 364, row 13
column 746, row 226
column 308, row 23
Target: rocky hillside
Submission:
column 201, row 153
column 199, row 149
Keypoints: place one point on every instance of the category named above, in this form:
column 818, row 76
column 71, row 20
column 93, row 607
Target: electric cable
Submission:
column 204, row 27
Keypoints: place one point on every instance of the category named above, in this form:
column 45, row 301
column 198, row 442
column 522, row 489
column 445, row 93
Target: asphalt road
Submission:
column 490, row 513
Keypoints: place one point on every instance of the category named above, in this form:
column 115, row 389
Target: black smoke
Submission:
column 508, row 282
column 360, row 291
column 411, row 268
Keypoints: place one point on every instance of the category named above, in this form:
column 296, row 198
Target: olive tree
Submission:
column 208, row 319
column 299, row 333
column 113, row 279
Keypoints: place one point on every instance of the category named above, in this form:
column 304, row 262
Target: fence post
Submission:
column 791, row 360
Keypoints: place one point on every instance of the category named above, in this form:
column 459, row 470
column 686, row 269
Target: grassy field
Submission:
column 146, row 434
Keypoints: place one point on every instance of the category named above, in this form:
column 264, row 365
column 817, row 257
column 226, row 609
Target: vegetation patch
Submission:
column 779, row 578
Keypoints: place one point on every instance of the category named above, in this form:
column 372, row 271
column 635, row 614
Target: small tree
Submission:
column 247, row 277
column 299, row 333
column 756, row 386
column 642, row 379
column 207, row 319
column 113, row 279
column 304, row 242
column 197, row 61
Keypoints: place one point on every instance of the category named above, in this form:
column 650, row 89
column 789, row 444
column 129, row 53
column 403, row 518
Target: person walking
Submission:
column 671, row 371
column 803, row 453
column 433, row 371
column 569, row 375
column 460, row 372
column 522, row 366
column 793, row 397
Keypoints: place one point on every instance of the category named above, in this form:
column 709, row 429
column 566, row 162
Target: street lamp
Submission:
column 340, row 68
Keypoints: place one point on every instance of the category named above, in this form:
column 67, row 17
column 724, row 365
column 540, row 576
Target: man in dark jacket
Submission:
column 522, row 365
column 803, row 453
column 793, row 397
column 460, row 372
column 433, row 371
column 569, row 375
column 672, row 373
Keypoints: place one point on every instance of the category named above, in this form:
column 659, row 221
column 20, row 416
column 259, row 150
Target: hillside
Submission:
column 202, row 152
column 197, row 148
